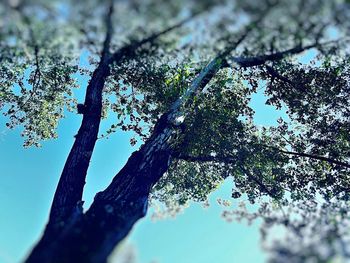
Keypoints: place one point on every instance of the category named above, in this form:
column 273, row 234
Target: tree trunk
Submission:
column 93, row 235
column 72, row 180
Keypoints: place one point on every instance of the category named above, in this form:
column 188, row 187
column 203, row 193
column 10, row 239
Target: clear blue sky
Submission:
column 29, row 177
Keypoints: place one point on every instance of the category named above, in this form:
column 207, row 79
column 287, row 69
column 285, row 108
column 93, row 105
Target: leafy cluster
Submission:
column 36, row 75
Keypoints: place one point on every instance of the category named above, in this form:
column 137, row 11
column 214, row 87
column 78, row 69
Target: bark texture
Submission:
column 93, row 235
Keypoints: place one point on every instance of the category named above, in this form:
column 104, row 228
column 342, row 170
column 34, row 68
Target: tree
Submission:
column 189, row 102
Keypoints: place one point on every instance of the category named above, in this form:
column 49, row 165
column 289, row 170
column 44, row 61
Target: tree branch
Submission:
column 226, row 159
column 247, row 62
column 258, row 182
column 37, row 73
column 109, row 32
column 69, row 191
column 277, row 75
column 316, row 157
column 209, row 71
column 130, row 49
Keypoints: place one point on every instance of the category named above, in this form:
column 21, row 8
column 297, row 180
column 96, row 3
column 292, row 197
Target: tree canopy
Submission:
column 180, row 75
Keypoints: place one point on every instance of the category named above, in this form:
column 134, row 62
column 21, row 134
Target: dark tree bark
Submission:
column 71, row 184
column 93, row 235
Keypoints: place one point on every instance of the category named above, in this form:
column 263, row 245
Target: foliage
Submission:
column 36, row 74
